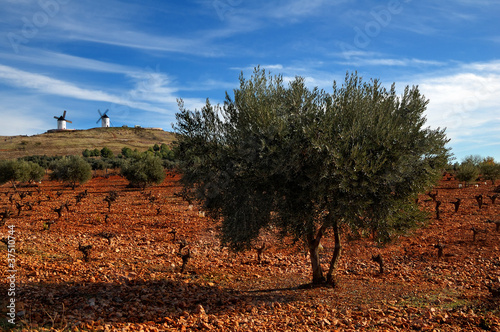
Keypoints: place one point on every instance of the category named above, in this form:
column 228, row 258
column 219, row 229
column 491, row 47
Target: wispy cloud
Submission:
column 391, row 62
column 33, row 56
column 113, row 23
column 45, row 84
column 296, row 9
column 150, row 92
column 89, row 54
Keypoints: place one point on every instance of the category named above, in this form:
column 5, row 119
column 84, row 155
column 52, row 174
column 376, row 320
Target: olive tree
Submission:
column 29, row 171
column 106, row 153
column 8, row 171
column 72, row 170
column 306, row 161
column 143, row 169
column 20, row 171
column 490, row 170
column 127, row 152
column 467, row 171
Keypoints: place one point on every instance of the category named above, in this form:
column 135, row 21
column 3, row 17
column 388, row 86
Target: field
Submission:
column 74, row 142
column 134, row 279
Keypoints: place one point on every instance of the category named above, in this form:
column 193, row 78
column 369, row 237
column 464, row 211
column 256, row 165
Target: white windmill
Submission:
column 104, row 118
column 61, row 121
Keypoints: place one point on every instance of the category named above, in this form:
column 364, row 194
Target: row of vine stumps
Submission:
column 108, row 257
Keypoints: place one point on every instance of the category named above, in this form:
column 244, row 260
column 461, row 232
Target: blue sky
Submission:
column 136, row 58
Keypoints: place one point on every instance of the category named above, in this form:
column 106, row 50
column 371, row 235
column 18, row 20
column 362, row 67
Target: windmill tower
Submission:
column 61, row 121
column 104, row 118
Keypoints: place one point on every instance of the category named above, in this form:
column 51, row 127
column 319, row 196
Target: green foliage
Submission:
column 468, row 171
column 31, row 172
column 20, row 170
column 166, row 153
column 95, row 153
column 305, row 160
column 115, row 163
column 164, row 148
column 86, row 153
column 475, row 160
column 43, row 161
column 143, row 170
column 127, row 152
column 399, row 221
column 8, row 170
column 106, row 152
column 72, row 170
column 490, row 170
column 98, row 164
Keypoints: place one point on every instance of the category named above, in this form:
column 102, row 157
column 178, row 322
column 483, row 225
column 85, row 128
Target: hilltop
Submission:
column 73, row 142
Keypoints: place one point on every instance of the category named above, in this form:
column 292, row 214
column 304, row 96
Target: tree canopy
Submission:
column 304, row 160
column 72, row 170
column 20, row 170
column 490, row 170
column 143, row 169
column 468, row 170
column 106, row 152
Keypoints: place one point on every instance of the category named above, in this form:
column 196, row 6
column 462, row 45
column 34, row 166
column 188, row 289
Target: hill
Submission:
column 73, row 142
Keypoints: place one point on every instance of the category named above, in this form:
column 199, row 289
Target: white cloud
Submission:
column 465, row 101
column 61, row 60
column 22, row 115
column 296, row 8
column 150, row 93
column 45, row 84
column 390, row 62
column 111, row 22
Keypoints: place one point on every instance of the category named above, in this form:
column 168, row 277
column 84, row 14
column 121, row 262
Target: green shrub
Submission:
column 20, row 171
column 86, row 153
column 106, row 152
column 467, row 172
column 143, row 170
column 72, row 170
column 490, row 170
column 127, row 152
column 8, row 170
column 31, row 172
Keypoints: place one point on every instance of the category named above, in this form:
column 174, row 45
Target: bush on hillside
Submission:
column 72, row 170
column 143, row 170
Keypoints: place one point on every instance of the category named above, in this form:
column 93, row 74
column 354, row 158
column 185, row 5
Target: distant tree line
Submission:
column 474, row 168
column 142, row 169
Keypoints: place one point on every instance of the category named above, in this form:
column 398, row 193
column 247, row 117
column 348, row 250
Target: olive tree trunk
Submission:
column 336, row 253
column 313, row 242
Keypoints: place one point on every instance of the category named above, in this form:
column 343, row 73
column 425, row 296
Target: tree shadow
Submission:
column 137, row 301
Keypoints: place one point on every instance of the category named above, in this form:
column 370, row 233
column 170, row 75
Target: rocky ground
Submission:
column 133, row 278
